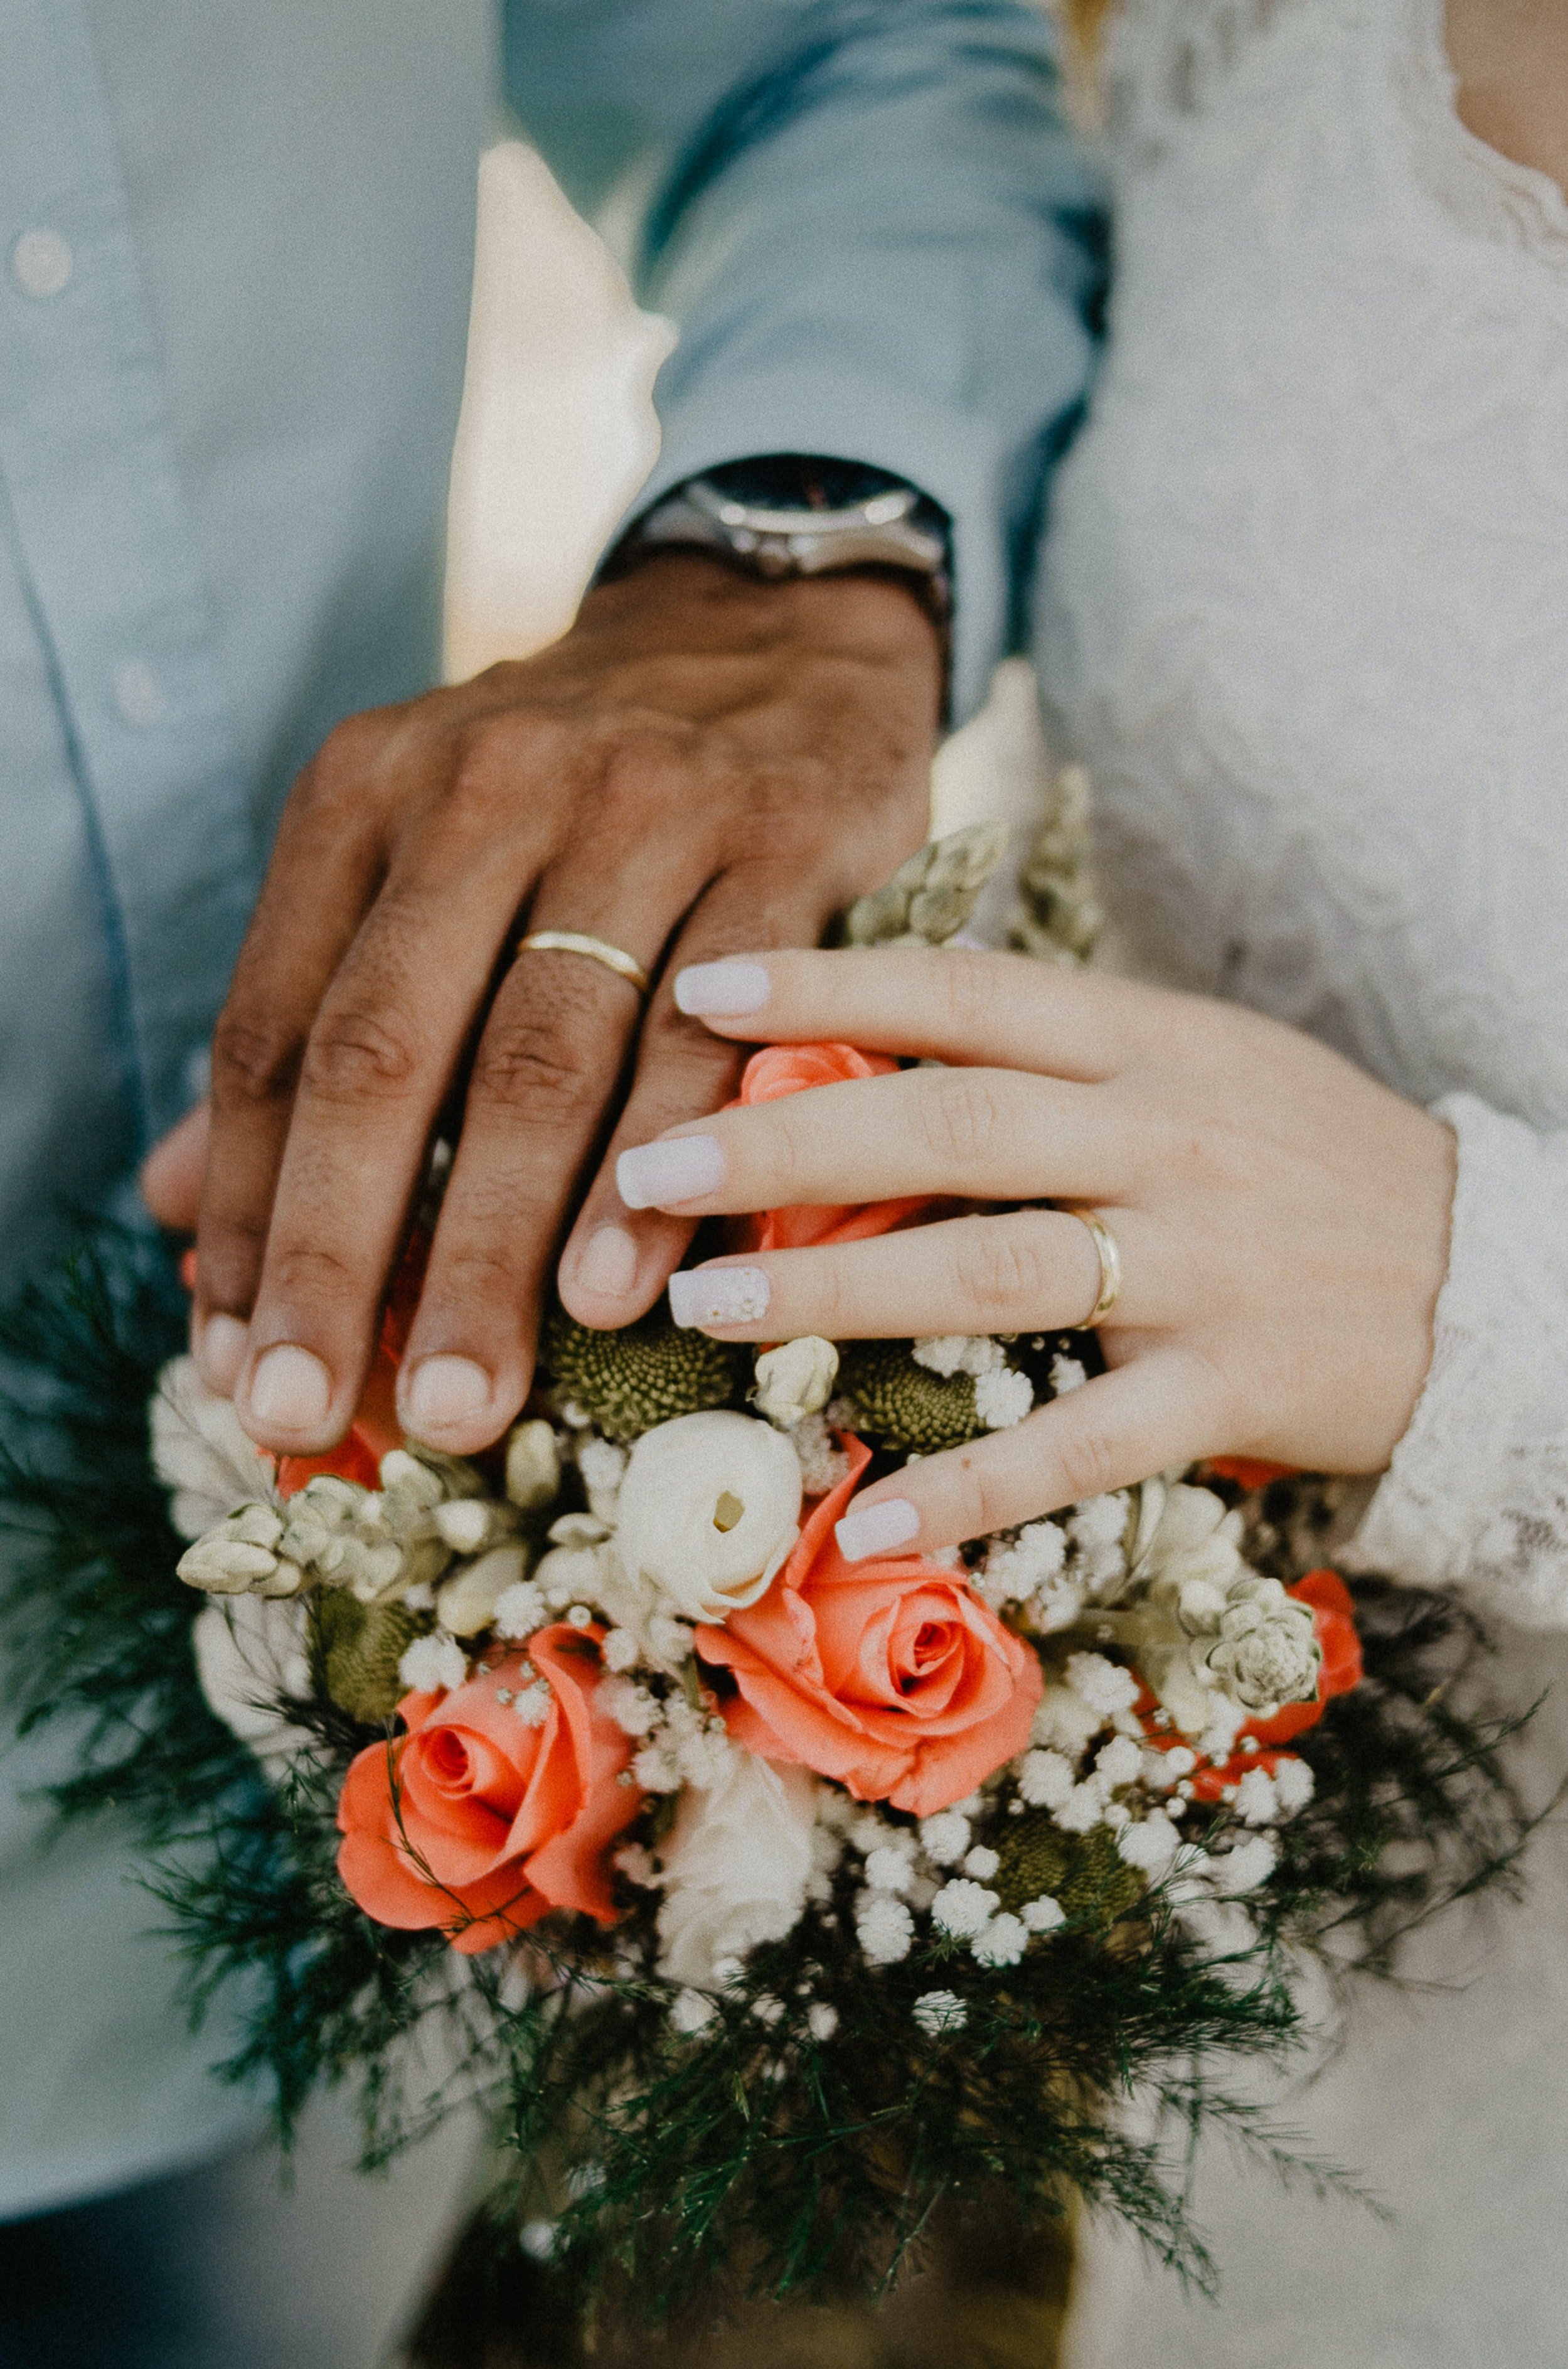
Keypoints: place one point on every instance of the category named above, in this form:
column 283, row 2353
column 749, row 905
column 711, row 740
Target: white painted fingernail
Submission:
column 219, row 1351
column 877, row 1529
column 662, row 1175
column 721, row 990
column 719, row 1294
column 290, row 1389
column 608, row 1264
column 442, row 1392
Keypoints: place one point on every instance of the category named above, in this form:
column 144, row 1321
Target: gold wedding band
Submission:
column 598, row 950
column 1110, row 1269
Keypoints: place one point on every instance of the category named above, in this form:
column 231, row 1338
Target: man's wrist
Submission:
column 788, row 515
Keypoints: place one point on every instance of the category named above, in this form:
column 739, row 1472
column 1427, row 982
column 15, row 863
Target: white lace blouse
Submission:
column 1305, row 614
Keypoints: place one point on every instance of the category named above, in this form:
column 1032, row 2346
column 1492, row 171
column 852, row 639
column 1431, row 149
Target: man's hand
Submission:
column 703, row 764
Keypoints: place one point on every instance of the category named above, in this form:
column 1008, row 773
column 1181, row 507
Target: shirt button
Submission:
column 42, row 262
column 138, row 695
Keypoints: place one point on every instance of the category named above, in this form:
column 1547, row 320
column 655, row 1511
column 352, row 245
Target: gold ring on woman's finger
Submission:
column 598, row 950
column 1110, row 1260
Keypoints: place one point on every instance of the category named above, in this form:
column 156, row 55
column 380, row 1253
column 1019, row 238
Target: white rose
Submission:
column 249, row 1653
column 737, row 1864
column 795, row 1379
column 200, row 1453
column 709, row 1508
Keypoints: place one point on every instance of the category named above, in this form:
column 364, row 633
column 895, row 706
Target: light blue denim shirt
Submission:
column 234, row 249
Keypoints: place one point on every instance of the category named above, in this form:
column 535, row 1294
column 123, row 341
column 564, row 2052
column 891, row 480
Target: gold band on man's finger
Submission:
column 598, row 950
column 1110, row 1260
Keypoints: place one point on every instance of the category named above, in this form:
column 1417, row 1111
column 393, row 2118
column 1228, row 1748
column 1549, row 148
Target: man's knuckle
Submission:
column 527, row 1064
column 311, row 1275
column 358, row 1055
column 348, row 752
column 253, row 1064
column 486, row 1270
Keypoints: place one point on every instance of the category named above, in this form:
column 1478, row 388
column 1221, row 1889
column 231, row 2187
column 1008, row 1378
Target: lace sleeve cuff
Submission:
column 1476, row 1494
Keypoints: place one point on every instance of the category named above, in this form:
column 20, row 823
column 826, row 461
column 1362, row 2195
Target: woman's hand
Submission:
column 1282, row 1219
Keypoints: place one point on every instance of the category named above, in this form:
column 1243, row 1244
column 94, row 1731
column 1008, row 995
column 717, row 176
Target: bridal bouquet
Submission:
column 762, row 1898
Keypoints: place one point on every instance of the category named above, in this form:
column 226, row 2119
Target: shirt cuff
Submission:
column 946, row 456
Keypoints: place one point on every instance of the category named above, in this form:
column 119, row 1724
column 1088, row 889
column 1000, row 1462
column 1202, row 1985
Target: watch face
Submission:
column 802, row 481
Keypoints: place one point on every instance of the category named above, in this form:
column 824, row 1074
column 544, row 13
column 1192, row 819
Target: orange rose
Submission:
column 892, row 1677
column 480, row 1823
column 780, row 1070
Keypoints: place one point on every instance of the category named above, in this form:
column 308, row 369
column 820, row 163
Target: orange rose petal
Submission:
column 781, row 1070
column 1249, row 1471
column 509, row 1820
column 941, row 1777
column 828, row 1678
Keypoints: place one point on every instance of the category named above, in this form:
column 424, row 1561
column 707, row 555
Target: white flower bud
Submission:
column 690, row 2011
column 1243, row 1869
column 938, row 2013
column 619, row 1650
column 370, row 1572
column 1151, row 1846
column 944, row 1837
column 519, row 1610
column 889, row 1868
column 1294, row 1783
column 534, row 1465
column 1002, row 1943
column 467, row 1601
column 1003, row 1398
column 884, row 1928
column 962, row 1908
column 286, row 1580
column 1118, row 1762
column 795, row 1379
column 433, row 1665
column 1044, row 1779
column 226, row 1565
column 464, row 1523
column 1044, row 1915
column 404, row 1476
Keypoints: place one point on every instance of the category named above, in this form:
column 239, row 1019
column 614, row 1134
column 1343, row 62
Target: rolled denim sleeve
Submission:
column 873, row 228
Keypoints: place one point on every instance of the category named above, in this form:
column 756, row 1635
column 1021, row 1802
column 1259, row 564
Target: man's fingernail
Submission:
column 608, row 1263
column 721, row 990
column 290, row 1388
column 877, row 1529
column 719, row 1294
column 442, row 1392
column 219, row 1351
column 661, row 1175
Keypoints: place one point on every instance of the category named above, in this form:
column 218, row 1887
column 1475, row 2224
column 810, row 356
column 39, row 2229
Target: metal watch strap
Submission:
column 793, row 515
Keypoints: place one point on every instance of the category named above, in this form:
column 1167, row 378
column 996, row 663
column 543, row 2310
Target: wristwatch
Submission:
column 790, row 514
